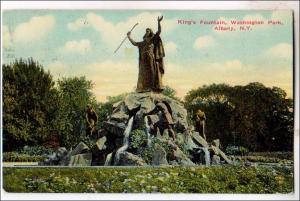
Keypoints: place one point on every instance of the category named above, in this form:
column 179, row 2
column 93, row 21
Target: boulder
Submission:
column 200, row 140
column 220, row 153
column 119, row 116
column 129, row 159
column 216, row 143
column 79, row 149
column 180, row 139
column 61, row 152
column 173, row 163
column 159, row 155
column 99, row 146
column 138, row 104
column 215, row 160
column 81, row 160
column 114, row 127
column 181, row 158
column 63, row 156
column 189, row 143
column 65, row 160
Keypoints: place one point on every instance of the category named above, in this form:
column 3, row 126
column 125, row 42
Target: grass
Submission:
column 223, row 179
column 20, row 157
column 262, row 159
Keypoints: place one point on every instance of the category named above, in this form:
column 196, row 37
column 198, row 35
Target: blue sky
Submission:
column 82, row 42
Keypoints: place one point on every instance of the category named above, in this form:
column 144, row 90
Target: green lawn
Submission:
column 222, row 179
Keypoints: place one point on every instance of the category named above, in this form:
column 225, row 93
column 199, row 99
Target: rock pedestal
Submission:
column 188, row 149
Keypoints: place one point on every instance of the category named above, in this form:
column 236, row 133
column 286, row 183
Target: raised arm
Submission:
column 131, row 40
column 159, row 26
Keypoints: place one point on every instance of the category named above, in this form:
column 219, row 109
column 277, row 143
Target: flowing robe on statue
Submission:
column 151, row 67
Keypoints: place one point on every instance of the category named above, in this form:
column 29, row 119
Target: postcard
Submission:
column 148, row 101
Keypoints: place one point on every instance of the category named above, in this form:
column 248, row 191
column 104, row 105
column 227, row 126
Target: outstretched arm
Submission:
column 154, row 111
column 131, row 40
column 159, row 19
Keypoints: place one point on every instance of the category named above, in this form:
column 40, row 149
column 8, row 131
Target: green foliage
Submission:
column 236, row 150
column 18, row 157
column 170, row 92
column 138, row 139
column 262, row 159
column 229, row 179
column 138, row 144
column 253, row 116
column 280, row 155
column 35, row 111
column 115, row 99
column 106, row 109
column 29, row 104
column 36, row 150
column 75, row 93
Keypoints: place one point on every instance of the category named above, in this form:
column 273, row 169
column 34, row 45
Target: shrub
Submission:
column 17, row 157
column 36, row 150
column 237, row 150
column 138, row 138
column 281, row 155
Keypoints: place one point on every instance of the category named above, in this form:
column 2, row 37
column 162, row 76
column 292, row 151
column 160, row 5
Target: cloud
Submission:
column 80, row 47
column 36, row 28
column 58, row 69
column 284, row 15
column 204, row 42
column 281, row 51
column 78, row 24
column 170, row 48
column 113, row 33
column 231, row 65
column 232, row 72
column 254, row 17
column 109, row 78
column 6, row 37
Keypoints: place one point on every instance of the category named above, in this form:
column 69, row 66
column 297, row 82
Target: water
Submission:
column 203, row 129
column 207, row 156
column 125, row 141
column 108, row 160
column 147, row 131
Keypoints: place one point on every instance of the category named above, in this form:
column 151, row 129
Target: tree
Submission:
column 28, row 103
column 213, row 100
column 254, row 116
column 170, row 92
column 75, row 93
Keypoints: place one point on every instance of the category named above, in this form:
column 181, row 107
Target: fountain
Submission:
column 125, row 141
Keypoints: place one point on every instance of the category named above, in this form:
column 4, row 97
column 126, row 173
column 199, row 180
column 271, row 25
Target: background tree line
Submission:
column 36, row 110
column 254, row 116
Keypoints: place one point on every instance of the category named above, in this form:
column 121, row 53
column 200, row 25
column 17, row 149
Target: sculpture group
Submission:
column 154, row 116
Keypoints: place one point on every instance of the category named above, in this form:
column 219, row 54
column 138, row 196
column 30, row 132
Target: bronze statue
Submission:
column 151, row 67
column 91, row 120
column 200, row 122
column 165, row 121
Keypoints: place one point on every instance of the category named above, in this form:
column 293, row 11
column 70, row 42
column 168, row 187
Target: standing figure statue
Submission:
column 200, row 122
column 165, row 121
column 91, row 120
column 151, row 66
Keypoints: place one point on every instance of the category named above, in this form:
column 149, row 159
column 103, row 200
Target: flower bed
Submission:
column 222, row 179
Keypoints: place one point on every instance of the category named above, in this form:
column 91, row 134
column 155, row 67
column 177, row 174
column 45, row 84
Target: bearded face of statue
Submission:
column 148, row 34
